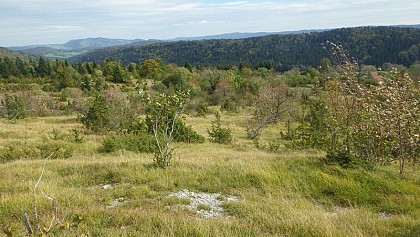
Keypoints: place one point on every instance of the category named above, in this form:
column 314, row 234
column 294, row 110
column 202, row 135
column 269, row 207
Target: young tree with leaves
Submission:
column 164, row 113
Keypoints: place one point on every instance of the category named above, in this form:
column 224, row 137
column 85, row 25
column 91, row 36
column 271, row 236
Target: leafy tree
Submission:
column 164, row 112
column 395, row 106
column 179, row 79
column 273, row 101
column 151, row 68
column 370, row 123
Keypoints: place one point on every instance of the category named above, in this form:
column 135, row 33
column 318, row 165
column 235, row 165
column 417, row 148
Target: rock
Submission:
column 106, row 186
column 211, row 201
column 117, row 202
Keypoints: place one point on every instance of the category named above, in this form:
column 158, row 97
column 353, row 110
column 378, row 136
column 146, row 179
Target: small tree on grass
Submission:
column 272, row 103
column 369, row 123
column 164, row 113
column 217, row 133
column 395, row 106
column 15, row 106
column 97, row 117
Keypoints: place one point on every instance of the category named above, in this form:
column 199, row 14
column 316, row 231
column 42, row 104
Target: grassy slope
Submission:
column 290, row 193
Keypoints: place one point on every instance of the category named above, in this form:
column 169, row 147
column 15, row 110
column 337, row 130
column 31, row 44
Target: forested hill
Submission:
column 6, row 53
column 369, row 45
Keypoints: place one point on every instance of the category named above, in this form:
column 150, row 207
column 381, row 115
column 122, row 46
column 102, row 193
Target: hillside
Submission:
column 76, row 47
column 369, row 45
column 242, row 35
column 12, row 54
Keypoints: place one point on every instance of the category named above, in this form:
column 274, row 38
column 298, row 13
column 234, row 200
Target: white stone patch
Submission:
column 117, row 202
column 211, row 201
column 106, row 186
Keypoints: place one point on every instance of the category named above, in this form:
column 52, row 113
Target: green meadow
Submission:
column 279, row 192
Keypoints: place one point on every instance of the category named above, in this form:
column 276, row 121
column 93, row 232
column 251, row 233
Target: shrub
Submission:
column 163, row 114
column 16, row 151
column 131, row 142
column 112, row 110
column 345, row 159
column 58, row 149
column 121, row 109
column 202, row 109
column 138, row 127
column 15, row 107
column 217, row 133
column 97, row 117
column 181, row 133
column 77, row 136
column 184, row 133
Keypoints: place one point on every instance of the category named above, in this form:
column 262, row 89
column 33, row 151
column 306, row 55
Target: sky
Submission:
column 28, row 22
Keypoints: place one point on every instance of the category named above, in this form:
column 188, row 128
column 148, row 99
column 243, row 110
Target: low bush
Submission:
column 218, row 134
column 184, row 133
column 131, row 142
column 16, row 151
column 15, row 107
column 56, row 149
column 344, row 159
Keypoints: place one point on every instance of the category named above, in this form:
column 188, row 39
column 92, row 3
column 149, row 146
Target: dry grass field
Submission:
column 282, row 193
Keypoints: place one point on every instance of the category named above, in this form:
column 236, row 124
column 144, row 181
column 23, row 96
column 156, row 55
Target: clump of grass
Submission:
column 203, row 207
column 171, row 201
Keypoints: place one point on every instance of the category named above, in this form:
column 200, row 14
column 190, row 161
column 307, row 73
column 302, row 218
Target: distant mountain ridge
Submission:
column 244, row 35
column 100, row 42
column 82, row 44
column 76, row 47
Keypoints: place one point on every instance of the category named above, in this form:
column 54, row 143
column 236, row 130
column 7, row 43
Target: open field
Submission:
column 286, row 193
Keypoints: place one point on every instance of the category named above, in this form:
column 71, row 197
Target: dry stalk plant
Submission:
column 56, row 220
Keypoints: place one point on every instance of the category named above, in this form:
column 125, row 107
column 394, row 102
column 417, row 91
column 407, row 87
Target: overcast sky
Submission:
column 24, row 22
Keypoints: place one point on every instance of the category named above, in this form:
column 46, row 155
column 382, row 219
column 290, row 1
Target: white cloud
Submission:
column 61, row 28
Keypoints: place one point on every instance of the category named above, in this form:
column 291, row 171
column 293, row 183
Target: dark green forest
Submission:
column 368, row 45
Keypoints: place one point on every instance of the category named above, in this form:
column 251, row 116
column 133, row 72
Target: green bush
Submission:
column 230, row 105
column 131, row 142
column 344, row 159
column 202, row 109
column 15, row 107
column 218, row 134
column 97, row 117
column 138, row 127
column 184, row 133
column 16, row 151
column 56, row 149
